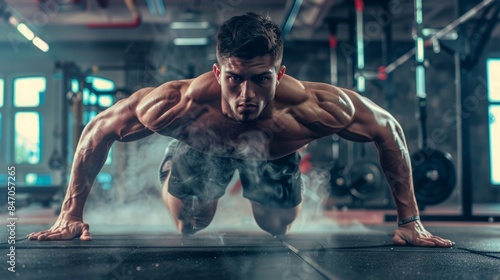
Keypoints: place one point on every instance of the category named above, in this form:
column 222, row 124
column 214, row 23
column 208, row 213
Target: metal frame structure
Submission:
column 465, row 56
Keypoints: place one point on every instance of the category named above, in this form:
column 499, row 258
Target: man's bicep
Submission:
column 119, row 122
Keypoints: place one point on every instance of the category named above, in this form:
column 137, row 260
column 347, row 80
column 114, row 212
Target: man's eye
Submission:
column 235, row 79
column 262, row 79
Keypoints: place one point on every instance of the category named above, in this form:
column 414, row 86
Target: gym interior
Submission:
column 431, row 64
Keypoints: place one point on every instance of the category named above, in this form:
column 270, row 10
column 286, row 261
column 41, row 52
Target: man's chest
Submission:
column 211, row 132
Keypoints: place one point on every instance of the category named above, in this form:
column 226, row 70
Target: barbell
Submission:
column 433, row 172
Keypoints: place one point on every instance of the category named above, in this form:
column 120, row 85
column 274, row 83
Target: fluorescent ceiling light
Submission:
column 44, row 47
column 26, row 31
column 190, row 41
column 23, row 29
column 189, row 25
column 13, row 21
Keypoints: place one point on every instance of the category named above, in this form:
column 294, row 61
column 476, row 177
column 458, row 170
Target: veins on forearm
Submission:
column 89, row 158
column 395, row 159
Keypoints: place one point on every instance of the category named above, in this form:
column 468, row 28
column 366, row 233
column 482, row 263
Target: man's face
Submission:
column 247, row 85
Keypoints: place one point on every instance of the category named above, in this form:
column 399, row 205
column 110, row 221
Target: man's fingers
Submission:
column 34, row 235
column 436, row 241
column 48, row 236
column 61, row 234
column 58, row 236
column 427, row 242
column 63, row 231
column 85, row 233
column 441, row 242
column 398, row 240
column 40, row 235
column 432, row 241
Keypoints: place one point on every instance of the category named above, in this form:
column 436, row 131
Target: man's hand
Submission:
column 63, row 230
column 415, row 234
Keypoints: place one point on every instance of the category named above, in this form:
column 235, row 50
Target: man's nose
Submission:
column 247, row 90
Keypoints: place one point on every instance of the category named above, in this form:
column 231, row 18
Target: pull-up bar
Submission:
column 434, row 38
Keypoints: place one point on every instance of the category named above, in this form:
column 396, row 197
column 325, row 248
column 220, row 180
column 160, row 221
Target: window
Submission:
column 101, row 84
column 105, row 100
column 1, row 92
column 75, row 85
column 27, row 137
column 1, row 105
column 99, row 97
column 36, row 179
column 28, row 92
column 28, row 95
column 1, row 128
column 105, row 180
column 493, row 68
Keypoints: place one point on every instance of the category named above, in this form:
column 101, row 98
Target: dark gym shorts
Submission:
column 273, row 183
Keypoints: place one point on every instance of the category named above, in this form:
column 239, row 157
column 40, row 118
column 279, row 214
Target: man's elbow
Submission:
column 390, row 131
column 98, row 129
column 394, row 125
column 348, row 108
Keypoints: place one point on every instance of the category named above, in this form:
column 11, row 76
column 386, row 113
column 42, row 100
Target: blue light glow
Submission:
column 494, row 125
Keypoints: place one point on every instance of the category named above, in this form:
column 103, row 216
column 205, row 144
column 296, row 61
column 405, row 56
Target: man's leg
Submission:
column 189, row 215
column 192, row 184
column 274, row 189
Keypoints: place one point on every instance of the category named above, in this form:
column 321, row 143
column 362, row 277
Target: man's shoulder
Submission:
column 321, row 99
column 300, row 91
column 291, row 91
column 203, row 87
column 316, row 87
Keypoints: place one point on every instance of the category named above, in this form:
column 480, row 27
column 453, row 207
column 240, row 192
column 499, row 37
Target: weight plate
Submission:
column 434, row 176
column 338, row 184
column 365, row 180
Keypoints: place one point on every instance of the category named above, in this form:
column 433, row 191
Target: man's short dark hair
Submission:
column 248, row 36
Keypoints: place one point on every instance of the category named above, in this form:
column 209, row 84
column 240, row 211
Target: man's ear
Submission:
column 216, row 71
column 281, row 74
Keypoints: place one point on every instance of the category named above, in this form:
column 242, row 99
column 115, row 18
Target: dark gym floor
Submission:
column 349, row 252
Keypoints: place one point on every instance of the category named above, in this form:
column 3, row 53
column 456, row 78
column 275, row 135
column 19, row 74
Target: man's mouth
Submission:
column 246, row 106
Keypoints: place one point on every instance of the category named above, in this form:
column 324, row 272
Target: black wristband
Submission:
column 408, row 220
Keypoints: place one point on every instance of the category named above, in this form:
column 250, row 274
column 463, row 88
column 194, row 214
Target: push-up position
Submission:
column 247, row 115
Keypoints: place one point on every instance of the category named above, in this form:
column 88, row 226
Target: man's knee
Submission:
column 190, row 215
column 276, row 221
column 191, row 227
column 275, row 227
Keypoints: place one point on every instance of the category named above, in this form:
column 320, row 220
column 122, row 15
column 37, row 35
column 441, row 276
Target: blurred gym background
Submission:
column 64, row 61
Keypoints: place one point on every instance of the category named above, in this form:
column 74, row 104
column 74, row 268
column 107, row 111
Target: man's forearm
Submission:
column 399, row 178
column 90, row 156
column 396, row 163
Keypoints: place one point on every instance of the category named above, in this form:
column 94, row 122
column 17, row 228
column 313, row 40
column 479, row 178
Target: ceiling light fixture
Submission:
column 23, row 28
column 189, row 25
column 190, row 41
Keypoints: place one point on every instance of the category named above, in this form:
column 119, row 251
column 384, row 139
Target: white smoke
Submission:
column 134, row 201
column 134, row 197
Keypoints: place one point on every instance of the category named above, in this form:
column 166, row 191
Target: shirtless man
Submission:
column 248, row 115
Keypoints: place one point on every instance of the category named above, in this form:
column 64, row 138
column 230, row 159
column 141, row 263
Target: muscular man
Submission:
column 248, row 115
